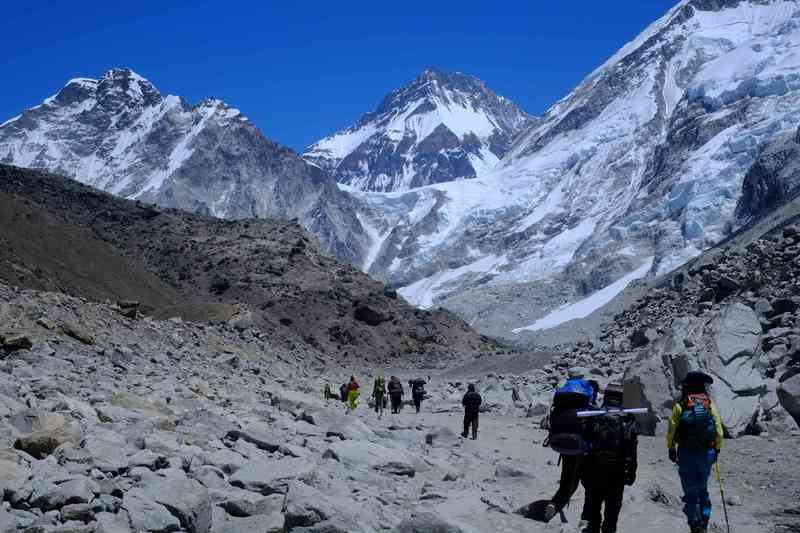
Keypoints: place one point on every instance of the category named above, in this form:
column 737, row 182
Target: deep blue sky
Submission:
column 301, row 70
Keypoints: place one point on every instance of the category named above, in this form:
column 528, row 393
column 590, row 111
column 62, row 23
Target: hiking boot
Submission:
column 464, row 435
column 549, row 512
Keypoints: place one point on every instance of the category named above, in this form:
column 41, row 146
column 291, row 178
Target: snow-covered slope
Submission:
column 644, row 161
column 440, row 127
column 119, row 134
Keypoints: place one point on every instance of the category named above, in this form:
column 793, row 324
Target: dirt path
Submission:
column 761, row 479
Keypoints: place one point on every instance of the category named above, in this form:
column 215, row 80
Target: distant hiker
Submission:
column 568, row 437
column 395, row 390
column 379, row 394
column 353, row 391
column 326, row 392
column 343, row 392
column 694, row 441
column 610, row 464
column 417, row 391
column 472, row 404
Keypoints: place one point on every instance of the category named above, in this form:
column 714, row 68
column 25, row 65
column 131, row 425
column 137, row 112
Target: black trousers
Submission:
column 470, row 421
column 418, row 401
column 570, row 478
column 397, row 402
column 603, row 503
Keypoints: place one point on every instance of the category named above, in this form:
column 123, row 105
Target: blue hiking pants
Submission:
column 694, row 467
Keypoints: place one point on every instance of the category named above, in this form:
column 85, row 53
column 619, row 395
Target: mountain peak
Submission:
column 134, row 86
column 441, row 126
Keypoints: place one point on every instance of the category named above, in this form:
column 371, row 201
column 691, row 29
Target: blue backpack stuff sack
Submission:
column 566, row 428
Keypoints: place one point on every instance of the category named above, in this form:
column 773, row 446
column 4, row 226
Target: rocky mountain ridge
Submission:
column 120, row 135
column 258, row 272
column 440, row 127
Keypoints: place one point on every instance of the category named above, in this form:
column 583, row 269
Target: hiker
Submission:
column 417, row 391
column 379, row 394
column 472, row 404
column 395, row 390
column 694, row 441
column 353, row 392
column 326, row 392
column 567, row 437
column 610, row 464
column 343, row 392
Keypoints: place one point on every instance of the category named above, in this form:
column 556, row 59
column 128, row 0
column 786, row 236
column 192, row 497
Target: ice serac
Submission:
column 646, row 158
column 440, row 127
column 119, row 134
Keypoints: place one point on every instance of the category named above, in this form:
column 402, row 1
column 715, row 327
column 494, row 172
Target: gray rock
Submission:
column 512, row 471
column 147, row 515
column 8, row 524
column 245, row 503
column 44, row 432
column 307, row 507
column 272, row 523
column 185, row 498
column 366, row 454
column 789, row 396
column 739, row 332
column 426, row 523
column 114, row 523
column 270, row 477
column 441, row 436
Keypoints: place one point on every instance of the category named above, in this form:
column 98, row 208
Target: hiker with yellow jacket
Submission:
column 694, row 441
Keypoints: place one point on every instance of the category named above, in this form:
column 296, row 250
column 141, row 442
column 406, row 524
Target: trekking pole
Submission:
column 722, row 495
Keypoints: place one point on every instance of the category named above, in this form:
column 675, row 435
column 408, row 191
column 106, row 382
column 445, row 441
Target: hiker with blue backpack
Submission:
column 568, row 437
column 694, row 441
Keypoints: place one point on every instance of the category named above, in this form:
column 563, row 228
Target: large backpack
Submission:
column 567, row 431
column 612, row 437
column 697, row 428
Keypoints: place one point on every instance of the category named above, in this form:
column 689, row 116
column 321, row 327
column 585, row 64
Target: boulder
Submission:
column 260, row 436
column 374, row 456
column 270, row 477
column 370, row 315
column 426, row 522
column 738, row 332
column 243, row 503
column 187, row 499
column 272, row 523
column 8, row 524
column 15, row 341
column 114, row 523
column 15, row 475
column 77, row 332
column 307, row 507
column 789, row 396
column 44, row 432
column 147, row 515
column 512, row 471
column 441, row 436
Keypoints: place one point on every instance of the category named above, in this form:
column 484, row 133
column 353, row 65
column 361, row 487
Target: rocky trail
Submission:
column 116, row 424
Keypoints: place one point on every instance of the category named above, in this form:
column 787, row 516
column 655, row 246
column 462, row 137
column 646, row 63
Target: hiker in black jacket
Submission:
column 610, row 464
column 417, row 392
column 472, row 404
column 395, row 390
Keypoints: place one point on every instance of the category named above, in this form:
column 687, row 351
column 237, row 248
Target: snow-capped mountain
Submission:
column 637, row 170
column 119, row 134
column 440, row 127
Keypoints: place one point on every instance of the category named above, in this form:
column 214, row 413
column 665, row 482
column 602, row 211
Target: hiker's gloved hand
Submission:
column 673, row 455
column 630, row 476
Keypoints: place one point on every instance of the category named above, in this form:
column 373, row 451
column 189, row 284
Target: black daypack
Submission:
column 567, row 431
column 612, row 437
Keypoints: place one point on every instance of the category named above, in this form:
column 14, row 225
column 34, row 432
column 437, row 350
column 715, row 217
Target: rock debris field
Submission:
column 116, row 424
